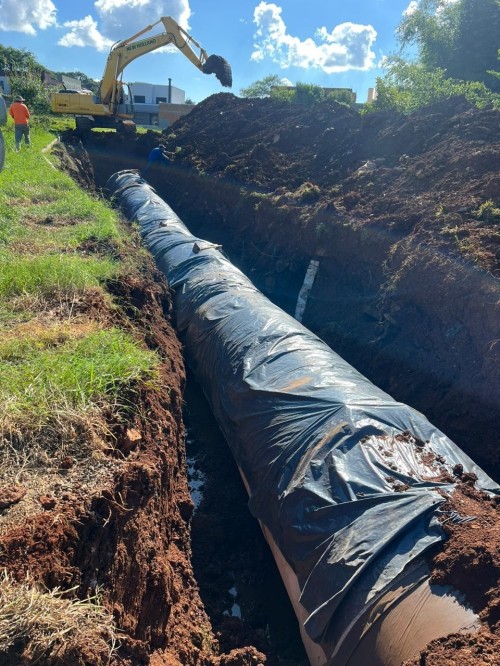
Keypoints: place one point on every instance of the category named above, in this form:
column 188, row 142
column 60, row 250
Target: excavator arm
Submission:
column 124, row 52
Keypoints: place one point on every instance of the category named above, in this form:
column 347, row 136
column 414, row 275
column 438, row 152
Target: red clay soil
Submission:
column 470, row 562
column 403, row 214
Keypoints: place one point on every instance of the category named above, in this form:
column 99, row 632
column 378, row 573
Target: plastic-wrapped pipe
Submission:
column 344, row 480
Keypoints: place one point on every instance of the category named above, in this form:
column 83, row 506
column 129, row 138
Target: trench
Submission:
column 258, row 593
column 244, row 597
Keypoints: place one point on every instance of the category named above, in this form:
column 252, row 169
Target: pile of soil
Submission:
column 403, row 215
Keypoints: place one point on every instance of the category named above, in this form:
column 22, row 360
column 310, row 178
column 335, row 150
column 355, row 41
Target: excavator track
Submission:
column 217, row 65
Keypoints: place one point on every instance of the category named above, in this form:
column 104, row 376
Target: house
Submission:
column 147, row 98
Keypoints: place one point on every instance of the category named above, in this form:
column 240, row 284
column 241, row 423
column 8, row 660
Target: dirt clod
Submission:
column 11, row 495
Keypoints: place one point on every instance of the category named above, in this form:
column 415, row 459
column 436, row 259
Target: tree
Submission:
column 25, row 77
column 461, row 38
column 477, row 42
column 409, row 85
column 263, row 87
column 17, row 61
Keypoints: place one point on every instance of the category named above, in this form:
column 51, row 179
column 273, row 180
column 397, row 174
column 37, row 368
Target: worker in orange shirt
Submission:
column 21, row 115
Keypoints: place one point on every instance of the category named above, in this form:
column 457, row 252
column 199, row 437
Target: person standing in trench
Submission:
column 158, row 154
column 21, row 115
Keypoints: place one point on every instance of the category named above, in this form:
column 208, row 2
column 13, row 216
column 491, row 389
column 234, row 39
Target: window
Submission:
column 161, row 99
column 139, row 99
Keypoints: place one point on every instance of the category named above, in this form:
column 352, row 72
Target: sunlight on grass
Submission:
column 58, row 371
column 44, row 205
column 47, row 274
column 39, row 379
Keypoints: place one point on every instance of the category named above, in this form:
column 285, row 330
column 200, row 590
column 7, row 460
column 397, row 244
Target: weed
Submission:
column 488, row 212
column 307, row 192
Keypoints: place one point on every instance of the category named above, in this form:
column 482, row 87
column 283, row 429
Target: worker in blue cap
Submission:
column 158, row 154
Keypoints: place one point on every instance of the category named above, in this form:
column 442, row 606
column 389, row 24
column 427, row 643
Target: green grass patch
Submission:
column 41, row 378
column 49, row 274
column 46, row 207
column 58, row 241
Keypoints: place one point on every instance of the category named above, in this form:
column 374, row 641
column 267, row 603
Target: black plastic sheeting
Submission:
column 342, row 476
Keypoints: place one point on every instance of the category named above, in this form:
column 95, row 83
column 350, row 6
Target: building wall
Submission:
column 4, row 85
column 169, row 113
column 152, row 92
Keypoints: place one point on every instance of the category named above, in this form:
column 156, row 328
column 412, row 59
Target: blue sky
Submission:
column 330, row 43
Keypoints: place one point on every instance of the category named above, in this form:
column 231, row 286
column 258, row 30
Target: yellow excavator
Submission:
column 113, row 105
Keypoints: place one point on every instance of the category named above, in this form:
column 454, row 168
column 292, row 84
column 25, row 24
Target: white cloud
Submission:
column 123, row 18
column 27, row 16
column 84, row 33
column 411, row 9
column 120, row 19
column 414, row 5
column 346, row 47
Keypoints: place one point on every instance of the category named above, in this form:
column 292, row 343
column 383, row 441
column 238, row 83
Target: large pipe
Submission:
column 346, row 482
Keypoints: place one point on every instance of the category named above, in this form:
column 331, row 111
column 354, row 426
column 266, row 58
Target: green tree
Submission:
column 261, row 88
column 29, row 85
column 17, row 61
column 409, row 85
column 25, row 77
column 461, row 38
column 477, row 42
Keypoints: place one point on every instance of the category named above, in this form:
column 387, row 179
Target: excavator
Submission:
column 112, row 107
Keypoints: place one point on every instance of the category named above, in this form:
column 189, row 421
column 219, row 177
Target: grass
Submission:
column 48, row 366
column 51, row 273
column 50, row 626
column 36, row 199
column 71, row 378
column 42, row 376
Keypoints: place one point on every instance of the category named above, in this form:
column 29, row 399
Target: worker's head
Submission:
column 19, row 98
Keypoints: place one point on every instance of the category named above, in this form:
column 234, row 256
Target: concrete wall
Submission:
column 4, row 85
column 169, row 113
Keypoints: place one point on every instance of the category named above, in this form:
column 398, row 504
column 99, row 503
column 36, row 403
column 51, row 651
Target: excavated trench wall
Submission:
column 419, row 324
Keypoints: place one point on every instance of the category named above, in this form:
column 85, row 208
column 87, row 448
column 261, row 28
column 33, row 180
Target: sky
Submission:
column 330, row 43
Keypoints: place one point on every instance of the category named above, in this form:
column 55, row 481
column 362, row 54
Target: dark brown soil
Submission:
column 402, row 213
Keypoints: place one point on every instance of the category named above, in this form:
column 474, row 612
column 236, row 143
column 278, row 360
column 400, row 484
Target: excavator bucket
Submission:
column 221, row 68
